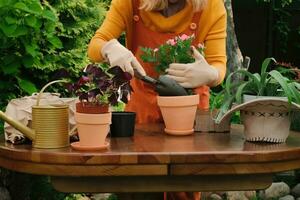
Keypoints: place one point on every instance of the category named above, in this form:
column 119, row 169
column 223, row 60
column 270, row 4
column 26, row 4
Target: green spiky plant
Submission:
column 265, row 83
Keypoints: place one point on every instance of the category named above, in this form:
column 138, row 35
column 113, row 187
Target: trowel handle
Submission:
column 146, row 78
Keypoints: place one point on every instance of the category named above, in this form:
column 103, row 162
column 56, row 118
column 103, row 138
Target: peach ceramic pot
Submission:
column 178, row 113
column 92, row 128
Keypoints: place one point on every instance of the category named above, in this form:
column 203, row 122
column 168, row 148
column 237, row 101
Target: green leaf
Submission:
column 11, row 68
column 295, row 91
column 48, row 14
column 21, row 30
column 11, row 20
column 240, row 92
column 31, row 49
column 27, row 61
column 34, row 8
column 31, row 20
column 297, row 85
column 265, row 64
column 27, row 86
column 4, row 3
column 55, row 41
column 264, row 73
column 21, row 6
column 283, row 83
column 7, row 29
column 254, row 78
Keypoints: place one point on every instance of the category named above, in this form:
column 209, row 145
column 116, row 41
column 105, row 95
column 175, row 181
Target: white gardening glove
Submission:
column 117, row 55
column 193, row 75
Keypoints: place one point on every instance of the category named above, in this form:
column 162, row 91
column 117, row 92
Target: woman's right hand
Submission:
column 117, row 55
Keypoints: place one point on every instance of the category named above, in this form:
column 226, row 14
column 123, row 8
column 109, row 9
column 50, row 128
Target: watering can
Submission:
column 50, row 124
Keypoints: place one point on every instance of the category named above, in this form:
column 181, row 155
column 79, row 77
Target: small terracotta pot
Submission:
column 92, row 128
column 86, row 107
column 178, row 113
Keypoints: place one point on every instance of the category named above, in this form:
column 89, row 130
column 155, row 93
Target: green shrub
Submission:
column 39, row 37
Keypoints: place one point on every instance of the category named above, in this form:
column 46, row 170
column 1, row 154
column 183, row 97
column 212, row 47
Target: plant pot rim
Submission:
column 178, row 97
column 175, row 101
column 261, row 101
column 91, row 108
column 123, row 113
column 249, row 97
column 102, row 118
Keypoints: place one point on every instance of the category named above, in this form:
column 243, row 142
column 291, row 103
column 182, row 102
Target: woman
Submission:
column 150, row 23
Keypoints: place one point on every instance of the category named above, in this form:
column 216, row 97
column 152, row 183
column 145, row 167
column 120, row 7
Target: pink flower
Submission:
column 184, row 37
column 172, row 42
column 155, row 50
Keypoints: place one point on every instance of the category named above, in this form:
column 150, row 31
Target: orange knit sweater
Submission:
column 212, row 29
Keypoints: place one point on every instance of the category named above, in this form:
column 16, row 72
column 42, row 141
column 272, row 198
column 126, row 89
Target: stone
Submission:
column 296, row 190
column 4, row 194
column 287, row 197
column 261, row 194
column 100, row 196
column 277, row 190
column 83, row 198
column 236, row 195
column 214, row 197
column 250, row 194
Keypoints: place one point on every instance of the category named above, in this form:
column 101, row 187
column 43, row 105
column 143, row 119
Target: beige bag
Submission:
column 20, row 109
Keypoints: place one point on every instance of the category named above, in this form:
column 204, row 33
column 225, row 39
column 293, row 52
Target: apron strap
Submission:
column 135, row 7
column 135, row 19
column 194, row 24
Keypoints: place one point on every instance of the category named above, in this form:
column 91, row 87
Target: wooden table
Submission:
column 152, row 161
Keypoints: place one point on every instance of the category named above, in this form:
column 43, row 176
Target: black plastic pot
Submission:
column 122, row 124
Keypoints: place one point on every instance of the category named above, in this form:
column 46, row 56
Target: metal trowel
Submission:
column 164, row 85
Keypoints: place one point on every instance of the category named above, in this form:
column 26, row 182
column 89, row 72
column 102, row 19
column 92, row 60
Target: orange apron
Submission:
column 143, row 99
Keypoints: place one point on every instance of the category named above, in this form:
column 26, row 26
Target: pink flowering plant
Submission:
column 175, row 50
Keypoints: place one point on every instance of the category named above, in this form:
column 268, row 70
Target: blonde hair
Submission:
column 151, row 5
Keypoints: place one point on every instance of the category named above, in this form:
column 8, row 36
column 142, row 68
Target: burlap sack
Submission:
column 20, row 109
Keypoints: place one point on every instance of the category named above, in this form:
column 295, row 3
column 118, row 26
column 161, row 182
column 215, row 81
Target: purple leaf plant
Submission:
column 102, row 85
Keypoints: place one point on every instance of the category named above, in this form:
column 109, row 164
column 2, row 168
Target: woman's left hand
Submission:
column 193, row 75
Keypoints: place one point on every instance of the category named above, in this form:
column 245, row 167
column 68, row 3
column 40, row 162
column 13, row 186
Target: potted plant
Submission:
column 178, row 111
column 98, row 88
column 122, row 122
column 293, row 73
column 264, row 101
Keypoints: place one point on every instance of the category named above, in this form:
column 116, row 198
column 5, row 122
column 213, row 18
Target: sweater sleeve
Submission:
column 113, row 25
column 215, row 40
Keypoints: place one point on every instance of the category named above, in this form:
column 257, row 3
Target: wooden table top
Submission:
column 152, row 152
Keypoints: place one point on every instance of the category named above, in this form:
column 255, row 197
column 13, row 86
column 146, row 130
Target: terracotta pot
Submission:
column 92, row 128
column 86, row 107
column 178, row 113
